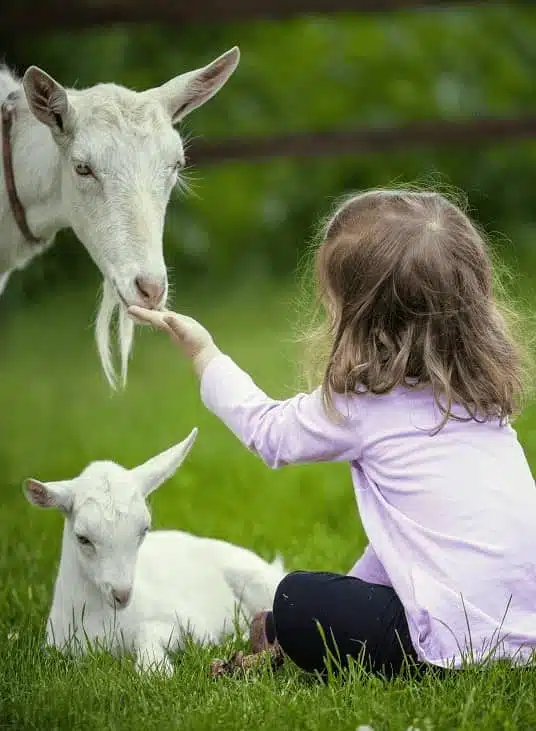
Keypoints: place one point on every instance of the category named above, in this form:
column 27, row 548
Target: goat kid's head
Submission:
column 120, row 159
column 107, row 517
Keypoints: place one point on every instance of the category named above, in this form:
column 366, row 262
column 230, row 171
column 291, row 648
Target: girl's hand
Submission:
column 194, row 340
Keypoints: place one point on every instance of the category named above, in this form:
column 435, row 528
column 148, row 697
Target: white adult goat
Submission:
column 131, row 589
column 102, row 161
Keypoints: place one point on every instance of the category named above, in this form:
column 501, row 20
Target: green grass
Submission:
column 58, row 414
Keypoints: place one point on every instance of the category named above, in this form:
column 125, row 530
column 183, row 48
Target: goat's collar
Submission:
column 8, row 109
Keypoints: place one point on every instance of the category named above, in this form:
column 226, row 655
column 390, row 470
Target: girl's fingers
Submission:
column 175, row 324
column 180, row 328
column 150, row 317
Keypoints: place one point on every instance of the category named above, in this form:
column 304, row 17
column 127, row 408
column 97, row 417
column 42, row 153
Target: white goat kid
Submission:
column 102, row 161
column 128, row 589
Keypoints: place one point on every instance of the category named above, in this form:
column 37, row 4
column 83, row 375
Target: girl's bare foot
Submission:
column 257, row 633
column 262, row 650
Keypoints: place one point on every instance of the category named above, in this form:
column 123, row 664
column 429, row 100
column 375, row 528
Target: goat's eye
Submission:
column 83, row 170
column 83, row 541
column 179, row 165
column 143, row 534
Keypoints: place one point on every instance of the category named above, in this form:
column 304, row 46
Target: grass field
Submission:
column 58, row 414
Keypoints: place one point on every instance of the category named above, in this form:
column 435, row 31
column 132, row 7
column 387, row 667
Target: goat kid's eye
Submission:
column 83, row 170
column 83, row 541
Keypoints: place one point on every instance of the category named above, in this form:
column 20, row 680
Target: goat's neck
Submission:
column 36, row 165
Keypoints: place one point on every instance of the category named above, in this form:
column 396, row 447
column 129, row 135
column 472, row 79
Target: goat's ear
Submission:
column 157, row 470
column 190, row 90
column 47, row 100
column 49, row 494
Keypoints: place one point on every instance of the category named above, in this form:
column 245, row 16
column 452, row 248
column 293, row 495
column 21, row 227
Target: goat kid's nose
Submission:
column 121, row 596
column 150, row 290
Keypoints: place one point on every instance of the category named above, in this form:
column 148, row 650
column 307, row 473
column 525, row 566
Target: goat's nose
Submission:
column 121, row 596
column 151, row 290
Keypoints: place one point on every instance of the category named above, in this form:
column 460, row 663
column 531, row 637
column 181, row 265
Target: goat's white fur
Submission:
column 180, row 584
column 128, row 140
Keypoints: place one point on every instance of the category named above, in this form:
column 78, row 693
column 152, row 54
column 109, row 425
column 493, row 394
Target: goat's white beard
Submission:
column 103, row 328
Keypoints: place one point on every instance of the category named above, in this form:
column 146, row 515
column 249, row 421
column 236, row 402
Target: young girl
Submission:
column 422, row 378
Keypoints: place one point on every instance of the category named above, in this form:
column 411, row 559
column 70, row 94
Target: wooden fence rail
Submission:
column 438, row 134
column 40, row 16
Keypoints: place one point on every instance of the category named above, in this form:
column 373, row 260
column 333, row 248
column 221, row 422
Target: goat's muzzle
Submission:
column 121, row 597
column 151, row 291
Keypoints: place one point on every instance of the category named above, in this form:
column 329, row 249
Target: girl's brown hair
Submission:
column 407, row 285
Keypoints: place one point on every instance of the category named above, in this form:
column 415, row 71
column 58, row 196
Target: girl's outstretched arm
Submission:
column 280, row 432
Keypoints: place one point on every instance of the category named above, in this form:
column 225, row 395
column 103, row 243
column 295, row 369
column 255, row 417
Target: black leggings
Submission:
column 361, row 620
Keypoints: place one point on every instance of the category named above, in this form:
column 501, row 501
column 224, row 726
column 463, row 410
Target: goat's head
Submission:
column 120, row 158
column 107, row 516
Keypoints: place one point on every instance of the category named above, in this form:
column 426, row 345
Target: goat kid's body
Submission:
column 184, row 585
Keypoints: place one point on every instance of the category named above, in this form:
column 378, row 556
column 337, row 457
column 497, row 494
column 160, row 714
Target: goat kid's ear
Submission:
column 157, row 470
column 49, row 494
column 190, row 90
column 48, row 100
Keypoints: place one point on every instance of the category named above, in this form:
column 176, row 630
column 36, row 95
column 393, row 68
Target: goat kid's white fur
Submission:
column 122, row 587
column 102, row 161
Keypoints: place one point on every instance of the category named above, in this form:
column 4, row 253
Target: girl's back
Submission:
column 459, row 507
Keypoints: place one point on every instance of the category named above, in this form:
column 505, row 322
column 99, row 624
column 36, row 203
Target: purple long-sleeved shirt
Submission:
column 450, row 518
